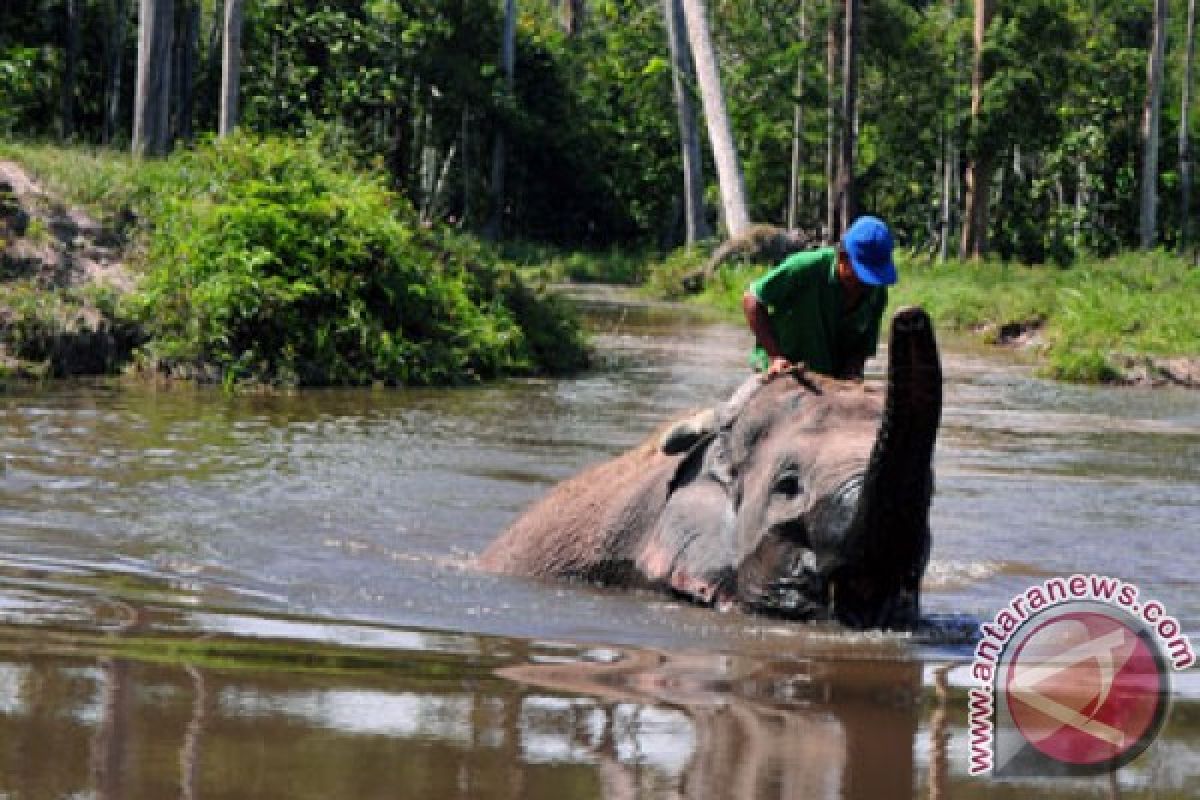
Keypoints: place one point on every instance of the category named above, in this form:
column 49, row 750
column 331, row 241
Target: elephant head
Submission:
column 811, row 497
column 806, row 497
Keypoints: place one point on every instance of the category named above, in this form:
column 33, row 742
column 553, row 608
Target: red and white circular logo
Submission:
column 1086, row 687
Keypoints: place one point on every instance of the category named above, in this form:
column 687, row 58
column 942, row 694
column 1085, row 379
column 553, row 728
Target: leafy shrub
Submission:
column 59, row 332
column 270, row 262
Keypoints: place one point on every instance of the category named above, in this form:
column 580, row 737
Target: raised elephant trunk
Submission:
column 889, row 541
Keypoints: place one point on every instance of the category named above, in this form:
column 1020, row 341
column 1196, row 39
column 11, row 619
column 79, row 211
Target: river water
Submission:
column 267, row 596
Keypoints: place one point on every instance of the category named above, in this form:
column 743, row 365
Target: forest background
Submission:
column 1040, row 132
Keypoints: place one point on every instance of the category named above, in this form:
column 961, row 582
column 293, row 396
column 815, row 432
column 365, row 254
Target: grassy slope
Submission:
column 1091, row 315
column 235, row 245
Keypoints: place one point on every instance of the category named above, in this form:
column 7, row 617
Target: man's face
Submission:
column 846, row 274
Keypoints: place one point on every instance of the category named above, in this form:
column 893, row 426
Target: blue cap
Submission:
column 868, row 243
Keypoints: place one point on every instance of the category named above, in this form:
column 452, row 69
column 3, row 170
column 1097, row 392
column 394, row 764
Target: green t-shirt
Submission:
column 805, row 304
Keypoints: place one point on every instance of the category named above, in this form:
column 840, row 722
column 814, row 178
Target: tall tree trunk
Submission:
column 979, row 168
column 152, row 99
column 833, row 122
column 186, row 49
column 213, row 47
column 950, row 165
column 847, row 200
column 465, row 216
column 683, row 77
column 720, row 133
column 114, row 58
column 1148, row 222
column 70, row 67
column 231, row 67
column 1185, row 138
column 797, row 127
column 1081, row 180
column 508, row 62
column 572, row 16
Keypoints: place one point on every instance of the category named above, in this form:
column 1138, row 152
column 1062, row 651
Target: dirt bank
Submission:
column 61, row 274
column 1131, row 370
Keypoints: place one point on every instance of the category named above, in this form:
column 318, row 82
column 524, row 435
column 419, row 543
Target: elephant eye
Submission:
column 788, row 483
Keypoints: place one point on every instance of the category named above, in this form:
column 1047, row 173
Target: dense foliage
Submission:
column 269, row 262
column 414, row 89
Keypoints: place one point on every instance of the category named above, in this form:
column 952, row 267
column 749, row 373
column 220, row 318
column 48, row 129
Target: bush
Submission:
column 271, row 262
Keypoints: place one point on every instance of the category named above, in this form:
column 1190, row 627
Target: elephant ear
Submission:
column 690, row 548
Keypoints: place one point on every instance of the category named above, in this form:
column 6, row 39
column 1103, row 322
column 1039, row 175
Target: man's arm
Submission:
column 760, row 324
column 854, row 369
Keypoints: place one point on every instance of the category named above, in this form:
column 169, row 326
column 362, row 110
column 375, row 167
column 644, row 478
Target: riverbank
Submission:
column 1128, row 320
column 253, row 261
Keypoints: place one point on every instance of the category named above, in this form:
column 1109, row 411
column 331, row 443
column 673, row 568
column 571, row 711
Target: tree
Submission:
column 114, row 59
column 70, row 68
column 508, row 63
column 847, row 202
column 979, row 168
column 834, row 124
column 683, row 77
column 187, row 48
column 152, row 96
column 951, row 144
column 720, row 133
column 231, row 67
column 797, row 125
column 1185, row 139
column 1148, row 208
column 571, row 13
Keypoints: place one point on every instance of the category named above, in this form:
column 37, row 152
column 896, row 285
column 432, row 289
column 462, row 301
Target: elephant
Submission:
column 806, row 498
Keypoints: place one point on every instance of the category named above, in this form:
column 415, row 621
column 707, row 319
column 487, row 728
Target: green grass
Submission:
column 549, row 264
column 1089, row 317
column 106, row 183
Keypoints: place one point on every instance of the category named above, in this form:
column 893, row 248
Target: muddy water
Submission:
column 203, row 596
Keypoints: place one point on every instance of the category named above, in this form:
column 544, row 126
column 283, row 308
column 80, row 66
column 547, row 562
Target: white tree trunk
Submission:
column 797, row 128
column 1148, row 217
column 720, row 134
column 833, row 121
column 683, row 75
column 152, row 99
column 847, row 200
column 231, row 67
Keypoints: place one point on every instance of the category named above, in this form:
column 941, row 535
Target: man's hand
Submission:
column 780, row 365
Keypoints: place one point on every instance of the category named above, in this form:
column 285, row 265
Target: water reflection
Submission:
column 641, row 725
column 551, row 721
column 740, row 728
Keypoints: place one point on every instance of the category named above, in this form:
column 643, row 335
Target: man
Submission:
column 820, row 309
